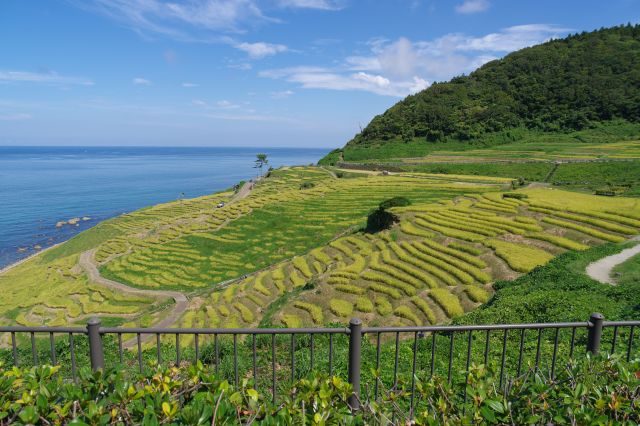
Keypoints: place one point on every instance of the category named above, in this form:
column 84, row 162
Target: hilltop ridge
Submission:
column 561, row 86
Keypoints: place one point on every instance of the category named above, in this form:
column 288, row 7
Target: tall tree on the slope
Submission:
column 261, row 161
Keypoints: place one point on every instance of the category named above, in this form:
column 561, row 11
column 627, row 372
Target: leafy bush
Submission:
column 592, row 391
column 307, row 185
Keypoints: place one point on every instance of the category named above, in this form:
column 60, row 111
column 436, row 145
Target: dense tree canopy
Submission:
column 562, row 85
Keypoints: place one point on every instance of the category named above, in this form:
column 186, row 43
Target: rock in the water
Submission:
column 85, row 218
column 61, row 223
column 74, row 221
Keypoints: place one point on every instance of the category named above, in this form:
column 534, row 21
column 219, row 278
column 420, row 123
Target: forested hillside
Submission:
column 559, row 86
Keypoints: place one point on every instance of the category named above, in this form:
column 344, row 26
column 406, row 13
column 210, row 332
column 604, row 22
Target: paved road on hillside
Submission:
column 600, row 270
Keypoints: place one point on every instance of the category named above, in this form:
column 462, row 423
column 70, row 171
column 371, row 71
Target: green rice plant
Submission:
column 255, row 299
column 519, row 257
column 391, row 292
column 318, row 267
column 321, row 256
column 596, row 222
column 388, row 281
column 441, row 265
column 291, row 321
column 557, row 240
column 419, row 275
column 363, row 304
column 278, row 274
column 348, row 288
column 364, row 248
column 458, row 224
column 344, row 274
column 259, row 286
column 245, row 313
column 456, row 253
column 424, row 307
column 449, row 302
column 613, row 217
column 495, row 207
column 466, row 248
column 585, row 230
column 375, row 265
column 477, row 294
column 342, row 247
column 416, row 261
column 314, row 311
column 301, row 264
column 526, row 219
column 409, row 229
column 358, row 264
column 341, row 308
column 450, row 232
column 481, row 226
column 383, row 307
column 333, row 280
column 406, row 313
column 296, row 279
column 461, row 269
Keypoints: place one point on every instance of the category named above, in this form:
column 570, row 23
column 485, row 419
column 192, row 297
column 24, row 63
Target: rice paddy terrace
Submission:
column 290, row 253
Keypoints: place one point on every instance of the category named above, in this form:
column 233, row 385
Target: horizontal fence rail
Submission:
column 371, row 358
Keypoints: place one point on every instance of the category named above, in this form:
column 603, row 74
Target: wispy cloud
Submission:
column 402, row 67
column 15, row 117
column 139, row 81
column 313, row 4
column 261, row 50
column 282, row 94
column 42, row 77
column 188, row 84
column 468, row 7
column 192, row 20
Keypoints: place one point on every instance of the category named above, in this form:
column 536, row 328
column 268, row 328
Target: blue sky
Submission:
column 249, row 72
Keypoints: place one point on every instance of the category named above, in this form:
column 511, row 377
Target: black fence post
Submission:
column 355, row 346
column 595, row 333
column 95, row 344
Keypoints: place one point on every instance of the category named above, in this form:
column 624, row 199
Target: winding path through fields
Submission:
column 600, row 270
column 88, row 264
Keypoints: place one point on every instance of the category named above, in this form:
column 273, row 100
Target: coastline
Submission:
column 13, row 265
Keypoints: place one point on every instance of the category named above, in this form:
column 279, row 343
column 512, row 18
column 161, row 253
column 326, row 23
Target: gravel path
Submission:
column 600, row 270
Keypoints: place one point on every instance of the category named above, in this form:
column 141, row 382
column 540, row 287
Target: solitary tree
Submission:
column 261, row 161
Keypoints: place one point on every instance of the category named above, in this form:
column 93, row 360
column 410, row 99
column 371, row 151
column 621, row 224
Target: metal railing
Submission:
column 428, row 350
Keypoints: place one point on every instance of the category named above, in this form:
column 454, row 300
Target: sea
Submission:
column 41, row 186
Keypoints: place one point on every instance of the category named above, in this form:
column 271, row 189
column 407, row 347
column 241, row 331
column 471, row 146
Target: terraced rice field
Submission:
column 436, row 264
column 290, row 253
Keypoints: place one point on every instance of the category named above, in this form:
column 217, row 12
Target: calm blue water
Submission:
column 40, row 186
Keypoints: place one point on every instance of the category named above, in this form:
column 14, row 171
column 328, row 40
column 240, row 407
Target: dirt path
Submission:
column 600, row 270
column 87, row 263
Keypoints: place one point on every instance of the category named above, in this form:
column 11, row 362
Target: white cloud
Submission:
column 403, row 67
column 261, row 50
column 282, row 94
column 199, row 103
column 472, row 6
column 44, row 78
column 15, row 117
column 193, row 20
column 139, row 81
column 313, row 4
column 224, row 104
column 188, row 85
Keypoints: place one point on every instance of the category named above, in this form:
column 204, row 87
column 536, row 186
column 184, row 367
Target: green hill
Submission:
column 577, row 84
